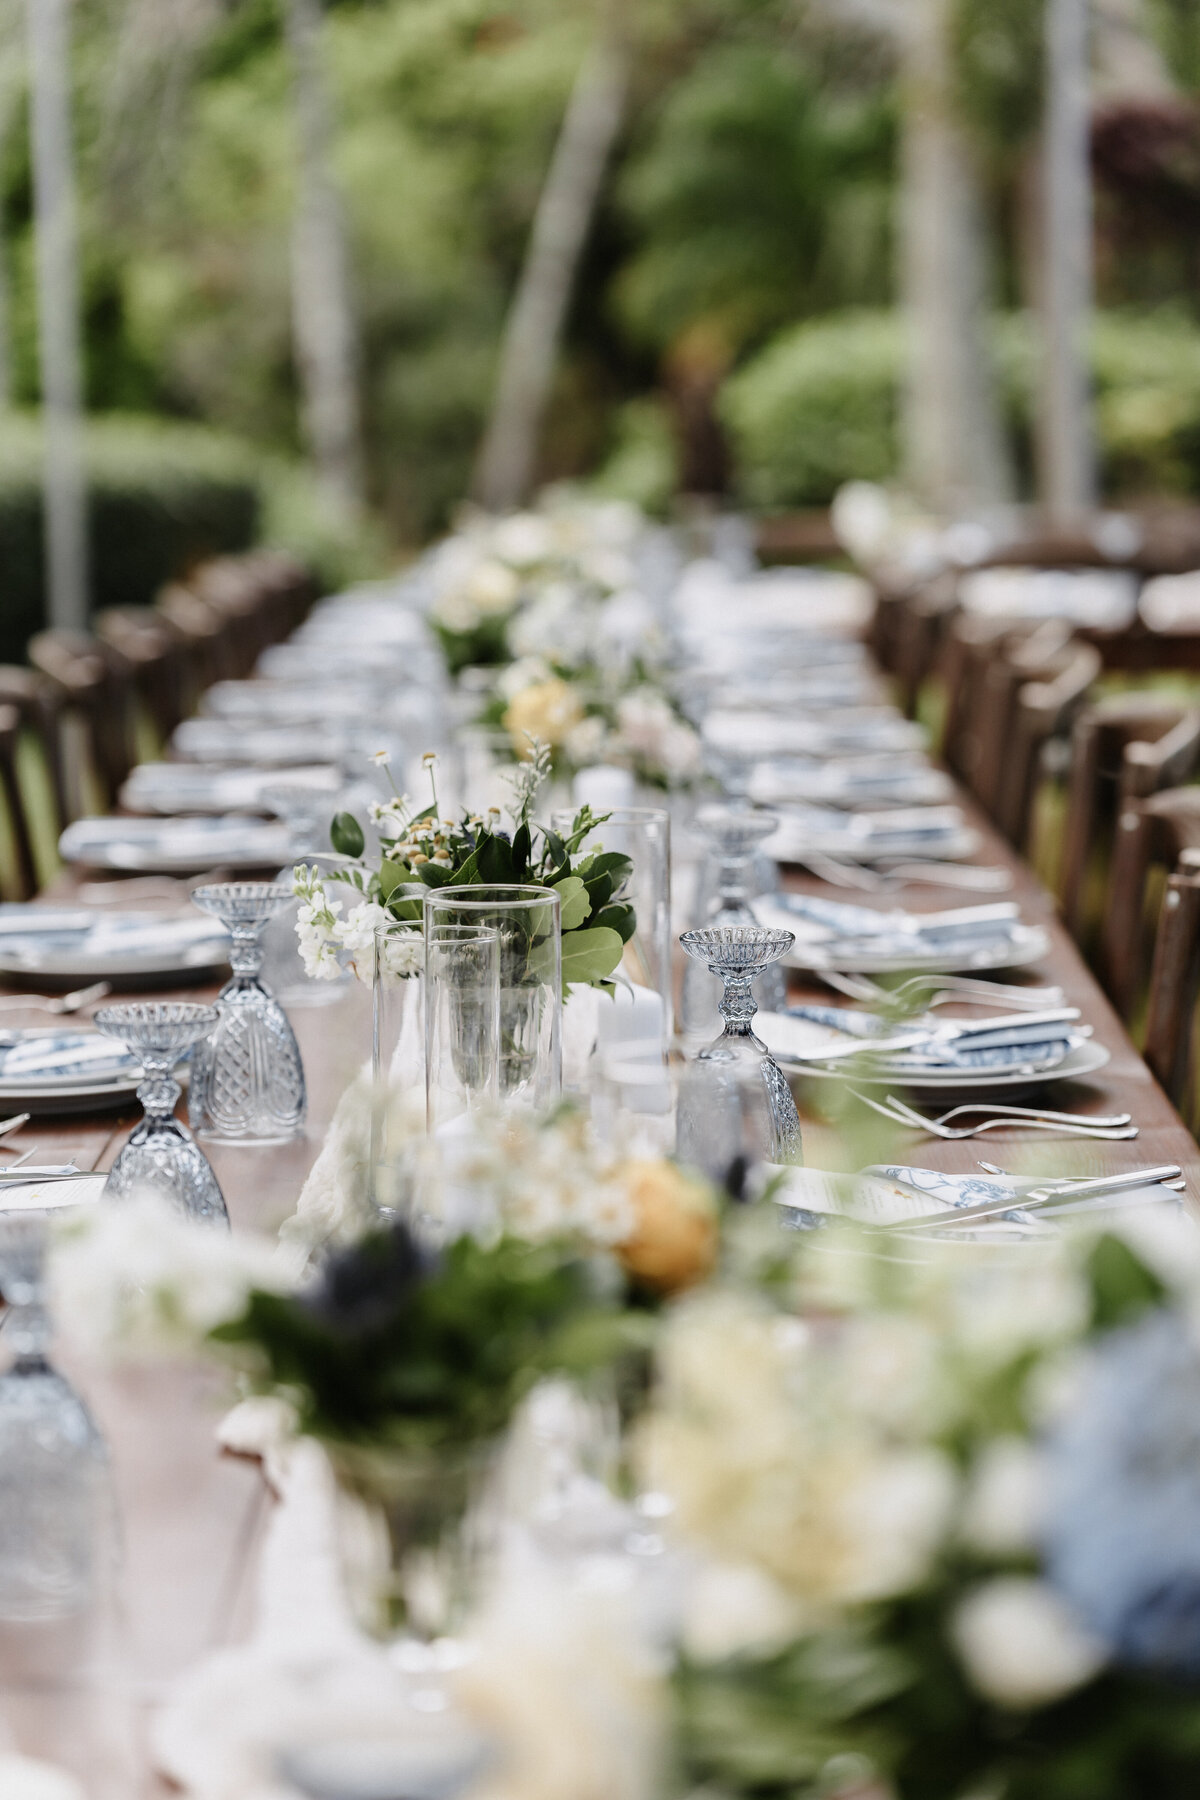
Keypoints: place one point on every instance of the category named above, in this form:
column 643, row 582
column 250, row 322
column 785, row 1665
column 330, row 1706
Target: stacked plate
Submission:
column 858, row 730
column 183, row 846
column 869, row 836
column 61, row 1071
column 168, row 788
column 62, row 948
column 268, row 746
column 934, row 1054
column 850, row 782
column 833, row 934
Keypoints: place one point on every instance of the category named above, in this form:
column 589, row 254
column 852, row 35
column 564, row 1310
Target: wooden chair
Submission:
column 95, row 716
column 234, row 589
column 1123, row 748
column 205, row 640
column 148, row 653
column 918, row 630
column 969, row 644
column 1175, row 986
column 1150, row 834
column 23, row 883
column 38, row 707
column 1043, row 714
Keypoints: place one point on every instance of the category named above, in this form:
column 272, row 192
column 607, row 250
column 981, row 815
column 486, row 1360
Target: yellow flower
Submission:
column 674, row 1240
column 548, row 711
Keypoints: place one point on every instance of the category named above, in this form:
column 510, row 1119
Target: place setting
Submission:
column 179, row 845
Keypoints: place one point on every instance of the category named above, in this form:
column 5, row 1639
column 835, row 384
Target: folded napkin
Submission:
column 843, row 921
column 64, row 1059
column 821, row 1034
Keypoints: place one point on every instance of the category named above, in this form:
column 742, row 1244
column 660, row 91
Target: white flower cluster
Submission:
column 137, row 1278
column 651, row 735
column 534, row 1178
column 799, row 1452
column 329, row 943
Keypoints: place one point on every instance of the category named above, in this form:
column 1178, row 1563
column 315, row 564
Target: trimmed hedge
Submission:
column 160, row 498
column 821, row 404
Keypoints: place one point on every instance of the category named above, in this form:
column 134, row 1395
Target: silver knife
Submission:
column 1045, row 1195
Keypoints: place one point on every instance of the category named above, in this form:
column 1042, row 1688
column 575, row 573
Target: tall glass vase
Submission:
column 462, row 1022
column 643, row 833
column 528, row 922
column 397, row 1059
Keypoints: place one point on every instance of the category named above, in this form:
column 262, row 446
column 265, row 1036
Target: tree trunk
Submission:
column 323, row 323
column 1066, row 453
column 59, row 350
column 533, row 333
column 954, row 446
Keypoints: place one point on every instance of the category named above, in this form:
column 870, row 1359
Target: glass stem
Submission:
column 737, row 1005
column 158, row 1090
column 245, row 956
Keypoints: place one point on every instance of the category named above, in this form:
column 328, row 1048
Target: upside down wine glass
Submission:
column 735, row 1104
column 161, row 1156
column 54, row 1484
column 735, row 835
column 247, row 1077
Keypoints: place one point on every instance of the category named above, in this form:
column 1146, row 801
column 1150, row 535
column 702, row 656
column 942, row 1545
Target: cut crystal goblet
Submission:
column 54, row 1490
column 729, row 879
column 247, row 1077
column 161, row 1156
column 735, row 1104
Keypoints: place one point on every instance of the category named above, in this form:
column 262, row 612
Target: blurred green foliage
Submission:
column 162, row 496
column 746, row 231
column 820, row 404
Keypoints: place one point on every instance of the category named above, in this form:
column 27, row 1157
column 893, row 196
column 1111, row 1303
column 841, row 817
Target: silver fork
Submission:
column 1116, row 1129
column 60, row 1003
column 943, row 988
column 885, row 877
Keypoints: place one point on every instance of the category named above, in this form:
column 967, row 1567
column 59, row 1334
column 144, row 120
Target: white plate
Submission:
column 1086, row 1059
column 269, row 746
column 169, row 788
column 88, row 1097
column 65, row 967
column 184, row 846
column 795, row 840
column 1026, row 944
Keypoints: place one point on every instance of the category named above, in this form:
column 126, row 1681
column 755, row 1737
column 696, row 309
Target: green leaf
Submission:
column 346, row 835
column 433, row 875
column 621, row 919
column 1122, row 1286
column 391, row 876
column 590, row 955
column 494, row 858
column 521, row 844
column 573, row 898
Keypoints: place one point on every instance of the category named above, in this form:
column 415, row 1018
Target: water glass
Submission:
column 55, row 1497
column 247, row 1077
column 462, row 1020
column 161, row 1156
column 528, row 922
column 643, row 833
column 633, row 1101
column 397, row 1057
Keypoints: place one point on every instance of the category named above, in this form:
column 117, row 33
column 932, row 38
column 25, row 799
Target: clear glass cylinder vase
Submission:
column 397, row 1060
column 528, row 922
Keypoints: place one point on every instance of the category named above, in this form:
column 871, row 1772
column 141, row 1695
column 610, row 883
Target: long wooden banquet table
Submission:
column 193, row 1519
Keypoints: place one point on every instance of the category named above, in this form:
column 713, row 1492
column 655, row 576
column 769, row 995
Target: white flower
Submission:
column 1003, row 1502
column 586, row 743
column 567, row 1691
column 1021, row 1645
column 138, row 1277
column 357, row 931
column 404, row 952
column 381, row 758
column 731, row 1609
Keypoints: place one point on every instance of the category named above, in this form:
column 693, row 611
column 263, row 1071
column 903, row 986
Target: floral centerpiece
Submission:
column 503, row 585
column 419, row 850
column 586, row 720
column 945, row 1515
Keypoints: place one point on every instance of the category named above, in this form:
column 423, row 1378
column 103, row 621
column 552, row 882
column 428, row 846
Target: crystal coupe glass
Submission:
column 162, row 1156
column 728, row 882
column 247, row 1077
column 55, row 1497
column 735, row 1103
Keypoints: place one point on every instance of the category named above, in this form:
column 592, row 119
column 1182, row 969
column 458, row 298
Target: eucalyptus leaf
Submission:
column 346, row 835
column 574, row 901
column 590, row 955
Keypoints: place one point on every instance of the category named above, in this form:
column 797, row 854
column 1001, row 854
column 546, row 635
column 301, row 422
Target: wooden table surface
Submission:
column 192, row 1518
